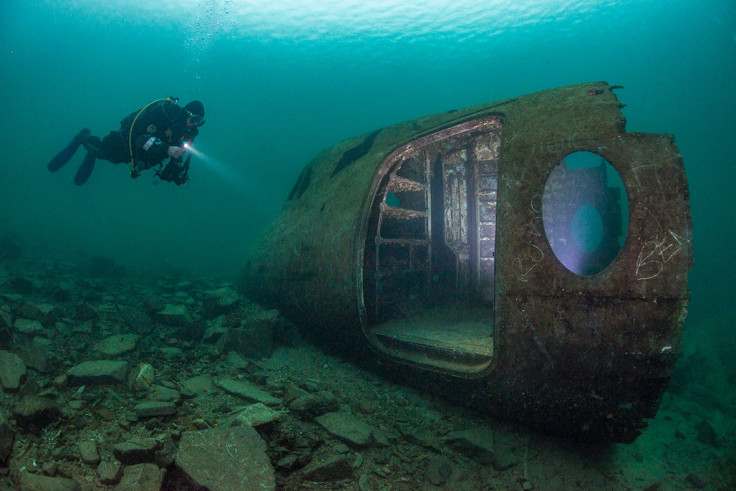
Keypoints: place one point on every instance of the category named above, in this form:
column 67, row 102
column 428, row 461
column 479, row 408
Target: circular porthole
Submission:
column 585, row 210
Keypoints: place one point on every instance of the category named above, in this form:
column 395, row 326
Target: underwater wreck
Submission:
column 527, row 258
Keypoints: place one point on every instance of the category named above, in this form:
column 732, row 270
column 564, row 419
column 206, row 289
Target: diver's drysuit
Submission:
column 143, row 140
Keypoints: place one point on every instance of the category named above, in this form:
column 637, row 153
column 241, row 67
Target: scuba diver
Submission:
column 146, row 138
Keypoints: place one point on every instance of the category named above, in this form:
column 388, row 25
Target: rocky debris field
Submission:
column 114, row 381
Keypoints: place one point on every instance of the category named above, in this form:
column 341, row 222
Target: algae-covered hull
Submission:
column 527, row 258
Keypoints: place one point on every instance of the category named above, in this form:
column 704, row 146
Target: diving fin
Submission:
column 85, row 170
column 63, row 157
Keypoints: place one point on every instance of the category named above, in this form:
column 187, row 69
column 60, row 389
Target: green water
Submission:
column 283, row 80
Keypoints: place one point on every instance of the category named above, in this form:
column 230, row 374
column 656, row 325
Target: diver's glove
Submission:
column 176, row 153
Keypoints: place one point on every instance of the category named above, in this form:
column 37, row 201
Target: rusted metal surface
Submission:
column 422, row 250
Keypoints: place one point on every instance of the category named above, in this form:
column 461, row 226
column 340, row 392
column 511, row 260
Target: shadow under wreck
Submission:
column 527, row 258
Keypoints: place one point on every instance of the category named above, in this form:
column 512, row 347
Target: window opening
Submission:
column 585, row 210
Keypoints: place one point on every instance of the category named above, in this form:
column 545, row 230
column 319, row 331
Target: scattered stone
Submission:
column 37, row 355
column 138, row 320
column 439, row 470
column 155, row 304
column 60, row 381
column 225, row 458
column 33, row 412
column 163, row 394
column 109, row 472
column 61, row 292
column 43, row 313
column 117, row 345
column 7, row 435
column 171, row 352
column 12, row 371
column 218, row 302
column 504, row 457
column 174, row 315
column 136, row 451
column 311, row 405
column 39, row 482
column 85, row 312
column 98, row 372
column 5, row 329
column 347, row 428
column 476, row 443
column 215, row 330
column 198, row 386
column 77, row 405
column 152, row 409
column 254, row 337
column 255, row 415
column 695, row 482
column 141, row 477
column 293, row 392
column 707, row 435
column 49, row 468
column 88, row 452
column 28, row 327
column 421, row 435
column 328, row 468
column 144, row 378
column 24, row 286
column 236, row 361
column 247, row 391
column 184, row 285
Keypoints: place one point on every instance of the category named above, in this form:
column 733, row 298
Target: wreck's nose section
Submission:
column 527, row 257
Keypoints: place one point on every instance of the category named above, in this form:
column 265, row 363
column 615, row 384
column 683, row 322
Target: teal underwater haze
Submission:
column 283, row 80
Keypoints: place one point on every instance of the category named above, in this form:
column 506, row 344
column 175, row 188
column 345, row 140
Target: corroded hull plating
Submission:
column 423, row 250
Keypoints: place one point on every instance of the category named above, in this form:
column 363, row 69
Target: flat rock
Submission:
column 136, row 451
column 255, row 415
column 151, row 409
column 476, row 443
column 98, row 372
column 141, row 477
column 43, row 312
column 109, row 472
column 38, row 356
column 347, row 427
column 198, row 386
column 421, row 435
column 117, row 345
column 236, row 361
column 247, row 391
column 7, row 435
column 254, row 337
column 173, row 315
column 88, row 452
column 328, row 468
column 215, row 330
column 171, row 352
column 439, row 470
column 225, row 458
column 33, row 412
column 163, row 394
column 219, row 301
column 29, row 327
column 12, row 371
column 311, row 405
column 39, row 482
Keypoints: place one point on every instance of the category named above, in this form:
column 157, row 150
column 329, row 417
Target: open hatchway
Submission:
column 428, row 268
